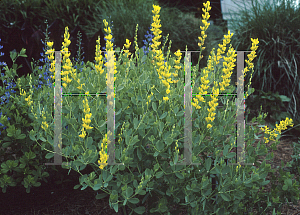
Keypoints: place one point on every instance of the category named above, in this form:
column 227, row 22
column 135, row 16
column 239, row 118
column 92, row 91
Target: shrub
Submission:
column 150, row 95
column 22, row 160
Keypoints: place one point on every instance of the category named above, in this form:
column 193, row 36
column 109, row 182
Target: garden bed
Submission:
column 63, row 199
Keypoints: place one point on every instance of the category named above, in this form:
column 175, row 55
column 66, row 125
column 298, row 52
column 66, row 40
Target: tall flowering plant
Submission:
column 150, row 111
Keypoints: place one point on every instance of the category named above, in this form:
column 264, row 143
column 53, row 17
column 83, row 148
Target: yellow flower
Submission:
column 228, row 66
column 238, row 167
column 44, row 123
column 176, row 149
column 103, row 156
column 86, row 120
column 283, row 125
column 157, row 55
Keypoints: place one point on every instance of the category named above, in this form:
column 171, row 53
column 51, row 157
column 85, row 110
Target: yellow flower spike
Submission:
column 50, row 44
column 109, row 37
column 108, row 30
column 105, row 23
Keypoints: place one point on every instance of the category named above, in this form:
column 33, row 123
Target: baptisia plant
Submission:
column 149, row 104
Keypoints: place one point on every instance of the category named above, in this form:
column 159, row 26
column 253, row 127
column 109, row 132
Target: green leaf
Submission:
column 10, row 131
column 134, row 140
column 89, row 142
column 159, row 145
column 77, row 186
column 30, row 155
column 161, row 126
column 226, row 170
column 225, row 196
column 239, row 194
column 133, row 100
column 159, row 174
column 179, row 175
column 121, row 167
column 231, row 155
column 18, row 132
column 140, row 210
column 49, row 155
column 215, row 170
column 37, row 184
column 101, row 195
column 176, row 110
column 130, row 95
column 6, row 144
column 135, row 123
column 32, row 136
column 125, row 201
column 109, row 178
column 115, row 206
column 284, row 98
column 22, row 53
column 144, row 58
column 97, row 187
column 288, row 182
column 163, row 115
column 119, row 88
column 13, row 55
column 176, row 158
column 154, row 106
column 139, row 154
column 169, row 141
column 43, row 139
column 265, row 182
column 207, row 164
column 225, row 151
column 22, row 166
column 133, row 200
column 129, row 192
column 113, row 196
column 117, row 49
column 148, row 172
column 285, row 187
column 84, row 187
column 114, row 169
column 104, row 175
column 21, row 137
column 180, row 113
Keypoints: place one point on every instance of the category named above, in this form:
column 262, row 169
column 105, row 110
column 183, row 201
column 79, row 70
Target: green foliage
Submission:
column 24, row 164
column 152, row 171
column 271, row 103
column 295, row 163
